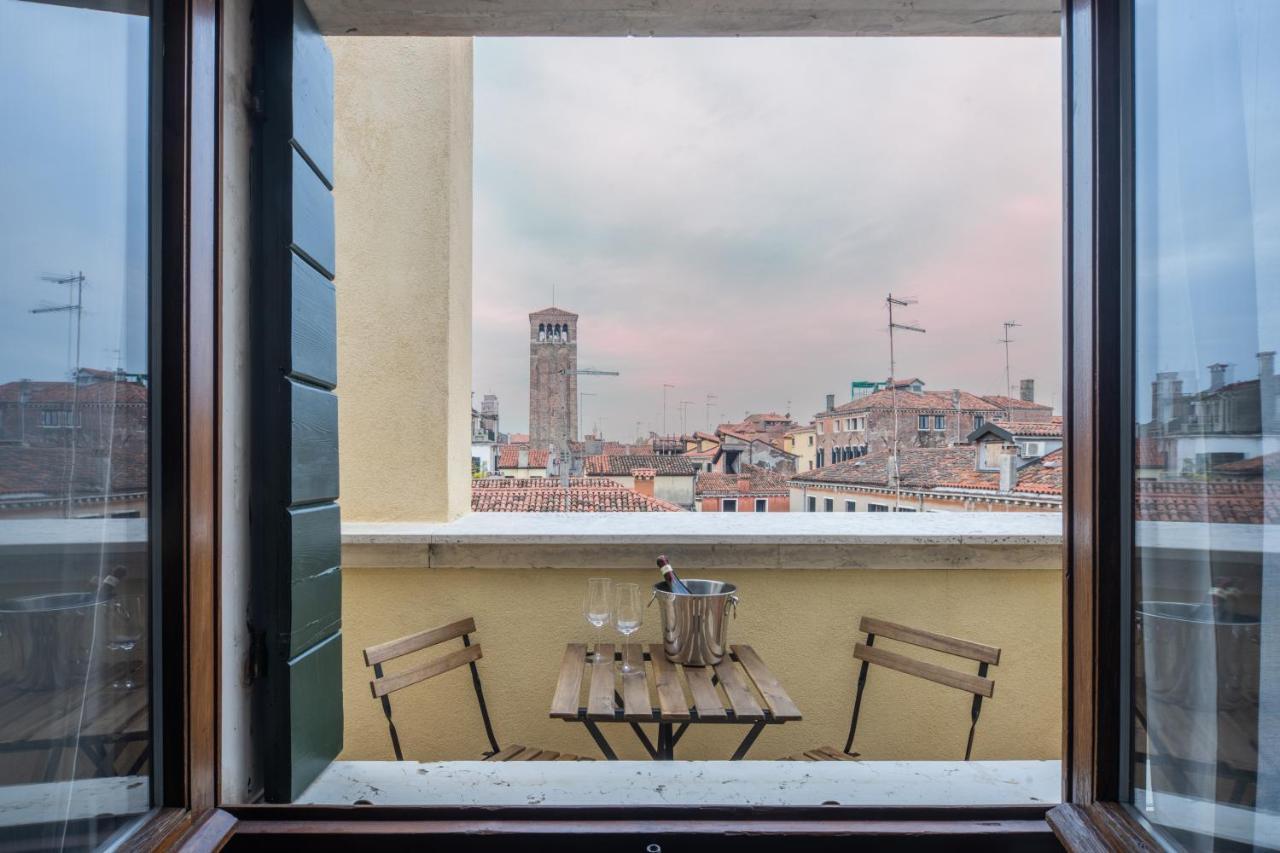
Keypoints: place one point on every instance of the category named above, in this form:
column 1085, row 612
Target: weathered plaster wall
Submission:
column 803, row 622
column 241, row 776
column 402, row 139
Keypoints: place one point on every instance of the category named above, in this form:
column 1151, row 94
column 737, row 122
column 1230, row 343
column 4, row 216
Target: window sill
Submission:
column 688, row 783
column 1028, row 541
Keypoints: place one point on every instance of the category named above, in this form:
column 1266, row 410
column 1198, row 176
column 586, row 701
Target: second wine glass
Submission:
column 628, row 613
column 597, row 608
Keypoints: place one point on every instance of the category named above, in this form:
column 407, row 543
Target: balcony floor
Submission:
column 764, row 783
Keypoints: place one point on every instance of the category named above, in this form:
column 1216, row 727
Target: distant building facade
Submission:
column 553, row 385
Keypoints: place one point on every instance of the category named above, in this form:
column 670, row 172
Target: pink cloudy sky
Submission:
column 727, row 215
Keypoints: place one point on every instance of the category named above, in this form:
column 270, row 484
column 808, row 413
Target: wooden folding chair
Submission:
column 383, row 685
column 979, row 685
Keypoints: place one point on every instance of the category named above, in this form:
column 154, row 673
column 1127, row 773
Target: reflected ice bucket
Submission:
column 695, row 627
column 47, row 639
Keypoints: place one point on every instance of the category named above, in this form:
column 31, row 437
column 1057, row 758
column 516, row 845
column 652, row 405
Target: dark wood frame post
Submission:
column 1098, row 497
column 186, row 429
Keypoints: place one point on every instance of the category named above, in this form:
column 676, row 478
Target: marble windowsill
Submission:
column 712, row 540
column 689, row 783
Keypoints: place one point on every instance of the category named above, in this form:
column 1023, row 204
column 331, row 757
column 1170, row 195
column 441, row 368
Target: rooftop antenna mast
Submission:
column 76, row 281
column 684, row 411
column 1006, row 340
column 566, row 449
column 665, row 388
column 890, row 301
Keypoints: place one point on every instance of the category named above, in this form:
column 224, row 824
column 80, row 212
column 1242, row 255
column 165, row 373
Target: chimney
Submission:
column 1267, row 391
column 1027, row 390
column 831, row 402
column 1218, row 375
column 1008, row 468
column 522, row 458
column 644, row 480
column 744, row 484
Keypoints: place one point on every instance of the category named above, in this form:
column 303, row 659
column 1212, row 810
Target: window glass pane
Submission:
column 1206, row 744
column 75, row 715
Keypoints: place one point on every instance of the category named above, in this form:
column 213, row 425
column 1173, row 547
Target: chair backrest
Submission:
column 979, row 685
column 383, row 685
column 375, row 656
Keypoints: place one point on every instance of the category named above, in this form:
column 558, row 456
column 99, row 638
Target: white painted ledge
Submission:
column 688, row 783
column 712, row 540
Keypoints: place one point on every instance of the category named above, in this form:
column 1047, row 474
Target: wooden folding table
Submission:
column 721, row 695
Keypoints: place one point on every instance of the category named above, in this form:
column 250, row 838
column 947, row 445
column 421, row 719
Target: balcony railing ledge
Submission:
column 999, row 541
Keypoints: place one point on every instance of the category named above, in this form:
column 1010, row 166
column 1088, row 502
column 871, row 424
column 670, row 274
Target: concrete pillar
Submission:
column 402, row 140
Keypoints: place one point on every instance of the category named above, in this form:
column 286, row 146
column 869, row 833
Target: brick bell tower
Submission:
column 553, row 395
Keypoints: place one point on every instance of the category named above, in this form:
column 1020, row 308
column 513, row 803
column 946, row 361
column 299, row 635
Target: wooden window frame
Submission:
column 1092, row 815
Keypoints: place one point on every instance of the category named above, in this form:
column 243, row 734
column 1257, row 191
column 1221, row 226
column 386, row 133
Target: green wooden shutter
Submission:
column 297, row 585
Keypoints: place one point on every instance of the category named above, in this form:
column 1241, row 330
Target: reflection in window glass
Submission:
column 1206, row 744
column 75, row 718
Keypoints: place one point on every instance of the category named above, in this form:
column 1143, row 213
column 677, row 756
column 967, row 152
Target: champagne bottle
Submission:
column 673, row 580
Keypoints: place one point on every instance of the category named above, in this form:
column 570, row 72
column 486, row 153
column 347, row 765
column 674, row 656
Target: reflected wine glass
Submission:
column 628, row 613
column 597, row 607
column 125, row 624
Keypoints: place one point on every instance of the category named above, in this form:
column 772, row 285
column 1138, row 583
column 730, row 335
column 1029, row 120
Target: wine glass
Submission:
column 125, row 623
column 597, row 607
column 628, row 613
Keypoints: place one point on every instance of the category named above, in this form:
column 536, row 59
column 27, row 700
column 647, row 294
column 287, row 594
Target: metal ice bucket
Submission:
column 695, row 627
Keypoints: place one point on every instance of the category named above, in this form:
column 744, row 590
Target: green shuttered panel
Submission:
column 297, row 522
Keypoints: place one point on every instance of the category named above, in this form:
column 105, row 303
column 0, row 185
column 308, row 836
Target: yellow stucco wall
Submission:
column 803, row 623
column 402, row 189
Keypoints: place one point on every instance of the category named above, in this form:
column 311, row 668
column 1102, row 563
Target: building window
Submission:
column 904, row 509
column 57, row 418
column 923, row 423
column 820, row 457
column 978, row 421
column 877, row 507
column 940, row 422
column 828, row 504
column 729, row 505
column 850, row 506
column 762, row 505
column 820, row 427
column 811, row 505
column 811, row 441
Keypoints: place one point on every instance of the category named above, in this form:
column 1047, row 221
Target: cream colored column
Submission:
column 402, row 176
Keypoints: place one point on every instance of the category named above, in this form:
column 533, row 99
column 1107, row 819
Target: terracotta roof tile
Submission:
column 761, row 481
column 909, row 401
column 498, row 494
column 923, row 468
column 1013, row 403
column 509, row 457
column 1215, row 501
column 619, row 465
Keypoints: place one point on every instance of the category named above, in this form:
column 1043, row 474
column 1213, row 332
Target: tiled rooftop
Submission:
column 908, row 401
column 497, row 494
column 509, row 457
column 1051, row 428
column 938, row 467
column 1222, row 502
column 623, row 465
column 762, row 482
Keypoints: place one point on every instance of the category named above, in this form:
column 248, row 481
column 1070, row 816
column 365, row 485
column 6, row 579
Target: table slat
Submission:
column 600, row 694
column 705, row 697
column 564, row 704
column 671, row 699
column 745, row 706
column 635, row 692
column 770, row 688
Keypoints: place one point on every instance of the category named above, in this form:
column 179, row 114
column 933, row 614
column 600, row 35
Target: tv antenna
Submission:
column 1006, row 340
column 665, row 388
column 891, row 301
column 710, row 397
column 72, row 307
column 566, row 449
column 684, row 411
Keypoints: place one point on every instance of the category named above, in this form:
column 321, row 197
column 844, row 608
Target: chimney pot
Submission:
column 831, row 402
column 1027, row 390
column 1008, row 468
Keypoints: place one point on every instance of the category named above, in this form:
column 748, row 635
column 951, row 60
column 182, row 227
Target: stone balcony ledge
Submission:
column 712, row 541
